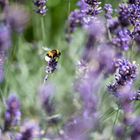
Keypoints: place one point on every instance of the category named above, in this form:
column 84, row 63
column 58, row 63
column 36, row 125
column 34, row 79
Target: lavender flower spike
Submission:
column 13, row 114
column 41, row 5
column 108, row 11
column 46, row 94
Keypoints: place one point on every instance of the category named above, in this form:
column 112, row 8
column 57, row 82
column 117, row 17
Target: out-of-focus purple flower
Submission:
column 13, row 113
column 113, row 25
column 2, row 60
column 3, row 3
column 5, row 44
column 108, row 11
column 16, row 17
column 41, row 5
column 5, row 37
column 103, row 59
column 135, row 134
column 94, row 34
column 82, row 5
column 77, row 129
column 75, row 20
column 119, row 131
column 29, row 131
column 46, row 96
column 123, row 39
column 84, row 16
column 124, row 14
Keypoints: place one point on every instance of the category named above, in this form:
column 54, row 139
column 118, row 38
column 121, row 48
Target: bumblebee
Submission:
column 52, row 54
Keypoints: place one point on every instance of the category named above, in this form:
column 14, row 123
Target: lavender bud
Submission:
column 75, row 20
column 123, row 39
column 108, row 11
column 52, row 66
column 124, row 15
column 134, row 10
column 113, row 25
column 5, row 37
column 92, row 2
column 46, row 96
column 13, row 114
column 29, row 131
column 41, row 5
column 125, row 75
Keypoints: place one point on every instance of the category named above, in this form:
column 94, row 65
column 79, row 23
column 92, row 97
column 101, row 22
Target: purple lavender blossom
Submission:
column 108, row 11
column 16, row 17
column 46, row 96
column 135, row 134
column 77, row 128
column 93, row 10
column 13, row 114
column 124, row 15
column 84, row 16
column 123, row 39
column 94, row 34
column 92, row 2
column 75, row 20
column 52, row 66
column 126, row 74
column 3, row 3
column 113, row 25
column 82, row 5
column 119, row 131
column 134, row 10
column 133, row 1
column 94, row 29
column 29, row 131
column 41, row 5
column 5, row 37
column 2, row 60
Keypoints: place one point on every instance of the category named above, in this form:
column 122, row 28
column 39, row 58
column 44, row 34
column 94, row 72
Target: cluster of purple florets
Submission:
column 41, row 6
column 125, row 74
column 109, row 43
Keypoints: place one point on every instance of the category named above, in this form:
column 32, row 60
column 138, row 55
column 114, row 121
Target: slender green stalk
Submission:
column 115, row 120
column 43, row 29
column 69, row 6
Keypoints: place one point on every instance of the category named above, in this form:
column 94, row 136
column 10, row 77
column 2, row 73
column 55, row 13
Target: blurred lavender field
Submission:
column 69, row 70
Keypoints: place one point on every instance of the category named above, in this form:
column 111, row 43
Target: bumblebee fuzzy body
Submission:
column 52, row 54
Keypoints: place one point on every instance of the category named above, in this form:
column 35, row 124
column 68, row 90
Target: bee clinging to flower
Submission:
column 52, row 54
column 51, row 57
